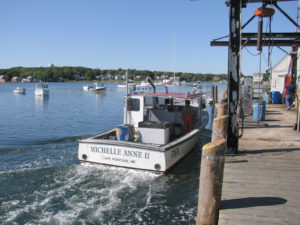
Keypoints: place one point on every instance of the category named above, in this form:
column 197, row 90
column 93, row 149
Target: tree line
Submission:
column 52, row 74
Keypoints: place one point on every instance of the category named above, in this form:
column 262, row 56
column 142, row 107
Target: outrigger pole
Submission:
column 125, row 108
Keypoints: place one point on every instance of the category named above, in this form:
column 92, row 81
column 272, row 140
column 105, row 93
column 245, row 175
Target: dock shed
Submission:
column 282, row 71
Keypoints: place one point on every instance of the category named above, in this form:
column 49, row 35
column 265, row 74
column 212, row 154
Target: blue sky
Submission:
column 136, row 34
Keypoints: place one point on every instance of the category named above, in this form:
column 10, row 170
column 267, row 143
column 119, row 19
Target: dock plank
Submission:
column 262, row 183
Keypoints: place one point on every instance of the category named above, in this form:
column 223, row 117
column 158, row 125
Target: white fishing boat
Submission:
column 41, row 89
column 20, row 90
column 124, row 85
column 159, row 129
column 98, row 88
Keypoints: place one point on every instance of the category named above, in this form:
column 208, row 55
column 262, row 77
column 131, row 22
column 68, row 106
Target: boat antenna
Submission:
column 298, row 9
column 126, row 82
column 126, row 97
column 174, row 53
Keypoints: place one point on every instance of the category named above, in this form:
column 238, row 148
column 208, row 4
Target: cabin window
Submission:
column 133, row 104
column 149, row 101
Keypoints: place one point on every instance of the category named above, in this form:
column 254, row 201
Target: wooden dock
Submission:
column 262, row 183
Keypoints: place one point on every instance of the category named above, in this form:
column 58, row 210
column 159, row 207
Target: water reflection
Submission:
column 41, row 102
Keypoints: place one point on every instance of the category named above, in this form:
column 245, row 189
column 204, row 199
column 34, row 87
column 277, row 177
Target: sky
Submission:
column 129, row 34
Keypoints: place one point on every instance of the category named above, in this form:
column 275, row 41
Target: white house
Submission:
column 258, row 77
column 281, row 70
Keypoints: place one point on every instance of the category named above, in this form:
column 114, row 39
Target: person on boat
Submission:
column 188, row 117
column 133, row 87
column 290, row 93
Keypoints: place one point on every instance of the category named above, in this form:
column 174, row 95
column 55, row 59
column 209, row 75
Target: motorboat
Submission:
column 128, row 84
column 20, row 90
column 41, row 89
column 155, row 134
column 98, row 88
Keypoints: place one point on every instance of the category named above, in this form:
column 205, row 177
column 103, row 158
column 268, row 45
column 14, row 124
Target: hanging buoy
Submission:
column 264, row 12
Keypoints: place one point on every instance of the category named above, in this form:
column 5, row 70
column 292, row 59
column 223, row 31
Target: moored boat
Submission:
column 41, row 89
column 97, row 88
column 20, row 90
column 159, row 129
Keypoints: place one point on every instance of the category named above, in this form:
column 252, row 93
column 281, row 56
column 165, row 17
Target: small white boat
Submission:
column 87, row 87
column 20, row 90
column 97, row 88
column 41, row 89
column 156, row 134
column 124, row 85
column 143, row 84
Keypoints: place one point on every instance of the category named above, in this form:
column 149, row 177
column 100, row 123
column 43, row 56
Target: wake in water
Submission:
column 78, row 193
column 44, row 184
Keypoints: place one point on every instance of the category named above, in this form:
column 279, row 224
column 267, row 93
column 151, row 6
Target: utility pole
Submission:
column 234, row 53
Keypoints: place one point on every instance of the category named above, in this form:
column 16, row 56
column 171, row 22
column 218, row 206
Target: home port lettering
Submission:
column 119, row 152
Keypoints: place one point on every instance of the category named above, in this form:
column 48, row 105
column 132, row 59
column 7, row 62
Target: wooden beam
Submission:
column 234, row 53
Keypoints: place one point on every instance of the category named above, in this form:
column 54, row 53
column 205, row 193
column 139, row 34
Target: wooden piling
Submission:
column 216, row 94
column 222, row 110
column 211, row 179
column 220, row 126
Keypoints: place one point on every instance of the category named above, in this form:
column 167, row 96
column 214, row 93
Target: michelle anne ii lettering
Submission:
column 120, row 152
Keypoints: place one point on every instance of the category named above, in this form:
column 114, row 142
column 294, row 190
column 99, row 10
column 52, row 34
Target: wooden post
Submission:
column 213, row 92
column 211, row 179
column 220, row 128
column 234, row 52
column 216, row 94
column 213, row 101
column 222, row 110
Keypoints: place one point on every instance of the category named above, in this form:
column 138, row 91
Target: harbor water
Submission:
column 42, row 181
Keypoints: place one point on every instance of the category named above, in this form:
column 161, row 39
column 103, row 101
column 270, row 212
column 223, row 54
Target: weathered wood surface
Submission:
column 219, row 130
column 262, row 183
column 210, row 186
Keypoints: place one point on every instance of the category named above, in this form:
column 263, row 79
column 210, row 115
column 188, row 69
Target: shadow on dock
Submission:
column 260, row 151
column 251, row 202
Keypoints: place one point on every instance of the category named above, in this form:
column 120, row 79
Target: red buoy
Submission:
column 264, row 12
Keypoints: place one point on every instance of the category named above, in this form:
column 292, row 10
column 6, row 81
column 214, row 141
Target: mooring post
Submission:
column 234, row 51
column 216, row 94
column 222, row 110
column 220, row 128
column 211, row 179
column 213, row 101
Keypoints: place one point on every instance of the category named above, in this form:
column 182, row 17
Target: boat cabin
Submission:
column 150, row 113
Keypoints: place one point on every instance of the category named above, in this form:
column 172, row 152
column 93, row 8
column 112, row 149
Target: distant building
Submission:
column 60, row 79
column 118, row 77
column 2, row 79
column 76, row 77
column 51, row 65
column 15, row 79
column 258, row 77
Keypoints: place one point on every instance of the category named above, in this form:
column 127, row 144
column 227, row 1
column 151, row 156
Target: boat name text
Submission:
column 121, row 152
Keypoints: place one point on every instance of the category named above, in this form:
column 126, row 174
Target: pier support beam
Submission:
column 234, row 52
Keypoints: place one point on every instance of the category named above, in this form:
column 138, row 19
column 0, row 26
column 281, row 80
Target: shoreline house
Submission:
column 2, row 79
column 15, row 79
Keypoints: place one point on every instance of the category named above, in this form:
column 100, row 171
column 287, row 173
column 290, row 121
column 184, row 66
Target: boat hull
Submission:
column 41, row 92
column 20, row 92
column 97, row 89
column 157, row 158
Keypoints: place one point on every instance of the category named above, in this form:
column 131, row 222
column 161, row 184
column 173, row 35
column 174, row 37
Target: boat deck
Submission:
column 262, row 183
